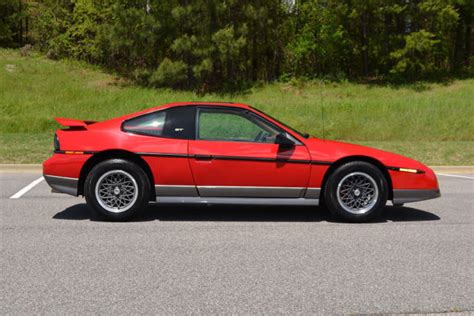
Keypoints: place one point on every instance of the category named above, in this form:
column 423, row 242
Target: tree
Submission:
column 12, row 14
column 210, row 45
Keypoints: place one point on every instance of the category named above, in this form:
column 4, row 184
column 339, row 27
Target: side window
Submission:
column 151, row 124
column 230, row 125
column 176, row 122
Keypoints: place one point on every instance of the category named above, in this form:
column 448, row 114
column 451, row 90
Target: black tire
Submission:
column 136, row 179
column 357, row 171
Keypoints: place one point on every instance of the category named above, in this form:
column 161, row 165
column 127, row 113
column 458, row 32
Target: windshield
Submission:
column 280, row 122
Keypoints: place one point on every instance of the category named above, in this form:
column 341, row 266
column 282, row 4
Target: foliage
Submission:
column 414, row 60
column 209, row 45
column 169, row 73
column 10, row 22
column 427, row 51
column 404, row 39
column 321, row 44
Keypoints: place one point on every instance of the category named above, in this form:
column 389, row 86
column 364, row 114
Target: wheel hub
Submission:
column 357, row 192
column 116, row 191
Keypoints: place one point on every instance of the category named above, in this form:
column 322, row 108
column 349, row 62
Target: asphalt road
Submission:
column 245, row 260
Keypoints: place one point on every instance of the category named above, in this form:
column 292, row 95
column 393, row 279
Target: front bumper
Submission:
column 62, row 184
column 407, row 196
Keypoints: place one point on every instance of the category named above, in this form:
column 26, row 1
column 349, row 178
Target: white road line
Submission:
column 26, row 189
column 455, row 176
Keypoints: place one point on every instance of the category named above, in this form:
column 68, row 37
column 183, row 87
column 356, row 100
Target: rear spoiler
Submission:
column 72, row 122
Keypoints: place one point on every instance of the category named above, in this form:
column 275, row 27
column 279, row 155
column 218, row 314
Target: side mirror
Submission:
column 284, row 141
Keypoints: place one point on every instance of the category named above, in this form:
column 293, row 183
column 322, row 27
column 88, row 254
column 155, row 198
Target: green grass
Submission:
column 426, row 121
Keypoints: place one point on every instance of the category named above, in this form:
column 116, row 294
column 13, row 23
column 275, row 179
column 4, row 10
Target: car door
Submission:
column 234, row 155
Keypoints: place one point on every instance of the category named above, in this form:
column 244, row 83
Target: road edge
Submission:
column 21, row 168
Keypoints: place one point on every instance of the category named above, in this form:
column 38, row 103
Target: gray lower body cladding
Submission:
column 236, row 200
column 252, row 195
column 407, row 196
column 62, row 184
column 237, row 191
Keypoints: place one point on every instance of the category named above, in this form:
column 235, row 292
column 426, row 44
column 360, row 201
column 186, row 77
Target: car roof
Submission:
column 197, row 103
column 176, row 104
column 192, row 103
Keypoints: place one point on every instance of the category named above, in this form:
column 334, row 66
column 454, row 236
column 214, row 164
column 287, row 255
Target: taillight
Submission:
column 56, row 142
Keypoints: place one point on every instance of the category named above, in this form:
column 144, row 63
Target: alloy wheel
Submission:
column 116, row 191
column 357, row 193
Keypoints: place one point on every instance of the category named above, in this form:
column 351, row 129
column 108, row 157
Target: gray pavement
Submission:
column 245, row 260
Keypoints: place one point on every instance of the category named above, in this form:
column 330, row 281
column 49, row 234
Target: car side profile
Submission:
column 224, row 153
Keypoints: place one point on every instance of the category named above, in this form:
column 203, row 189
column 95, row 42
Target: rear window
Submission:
column 176, row 122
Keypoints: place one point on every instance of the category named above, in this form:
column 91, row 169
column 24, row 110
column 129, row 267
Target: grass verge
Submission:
column 429, row 122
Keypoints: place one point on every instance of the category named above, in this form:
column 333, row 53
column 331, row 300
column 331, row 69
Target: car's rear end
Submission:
column 62, row 170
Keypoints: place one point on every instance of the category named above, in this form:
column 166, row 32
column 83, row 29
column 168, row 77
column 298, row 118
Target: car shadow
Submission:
column 247, row 213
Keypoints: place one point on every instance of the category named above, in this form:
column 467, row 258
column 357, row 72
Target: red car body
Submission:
column 210, row 169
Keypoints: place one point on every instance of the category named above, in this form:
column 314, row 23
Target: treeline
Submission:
column 211, row 44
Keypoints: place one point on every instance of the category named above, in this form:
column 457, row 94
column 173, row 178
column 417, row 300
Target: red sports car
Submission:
column 222, row 153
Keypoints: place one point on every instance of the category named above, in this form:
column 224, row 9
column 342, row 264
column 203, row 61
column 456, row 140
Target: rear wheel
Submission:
column 356, row 192
column 117, row 189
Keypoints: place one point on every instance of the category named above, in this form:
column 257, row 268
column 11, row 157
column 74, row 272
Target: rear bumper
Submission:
column 62, row 172
column 62, row 184
column 407, row 196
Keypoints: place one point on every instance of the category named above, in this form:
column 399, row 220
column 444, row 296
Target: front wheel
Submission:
column 356, row 192
column 117, row 189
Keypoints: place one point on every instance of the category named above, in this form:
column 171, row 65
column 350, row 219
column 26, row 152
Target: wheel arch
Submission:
column 115, row 154
column 367, row 159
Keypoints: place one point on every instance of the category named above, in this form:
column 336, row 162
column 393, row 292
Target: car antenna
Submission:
column 321, row 106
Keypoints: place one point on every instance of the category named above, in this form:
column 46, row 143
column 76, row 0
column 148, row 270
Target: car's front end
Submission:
column 410, row 180
column 413, row 184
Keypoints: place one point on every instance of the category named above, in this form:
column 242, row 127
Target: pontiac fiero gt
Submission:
column 225, row 153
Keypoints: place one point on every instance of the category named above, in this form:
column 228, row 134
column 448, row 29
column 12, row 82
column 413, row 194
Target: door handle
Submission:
column 203, row 157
